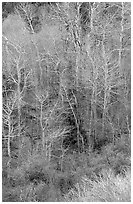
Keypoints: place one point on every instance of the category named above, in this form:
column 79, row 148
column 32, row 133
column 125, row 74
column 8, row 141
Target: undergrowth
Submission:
column 88, row 176
column 106, row 188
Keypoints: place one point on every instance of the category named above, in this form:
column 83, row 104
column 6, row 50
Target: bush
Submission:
column 118, row 155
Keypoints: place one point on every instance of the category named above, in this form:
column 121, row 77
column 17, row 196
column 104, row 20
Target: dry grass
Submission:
column 107, row 188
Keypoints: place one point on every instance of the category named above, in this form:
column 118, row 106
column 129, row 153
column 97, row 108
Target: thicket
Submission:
column 66, row 92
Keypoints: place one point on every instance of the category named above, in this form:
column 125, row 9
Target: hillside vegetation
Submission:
column 66, row 91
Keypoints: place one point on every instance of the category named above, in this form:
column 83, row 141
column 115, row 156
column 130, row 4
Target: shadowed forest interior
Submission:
column 66, row 109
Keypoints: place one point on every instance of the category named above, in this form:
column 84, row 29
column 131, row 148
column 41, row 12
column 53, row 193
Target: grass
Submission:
column 107, row 188
column 85, row 177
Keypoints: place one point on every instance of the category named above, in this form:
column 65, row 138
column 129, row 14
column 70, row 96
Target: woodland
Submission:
column 66, row 102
